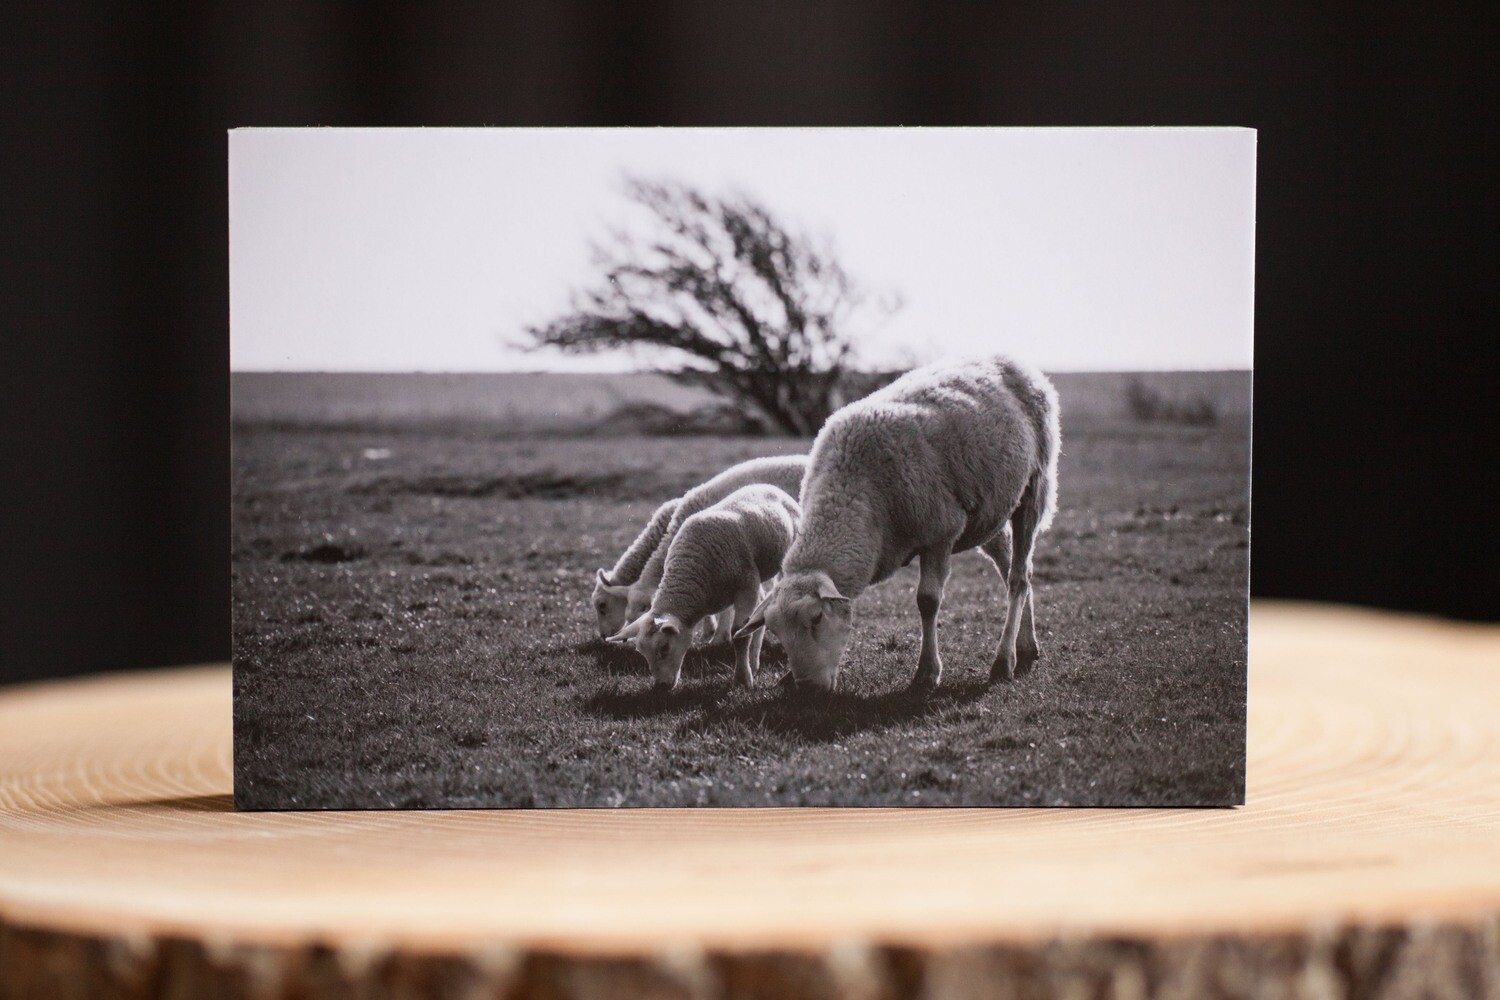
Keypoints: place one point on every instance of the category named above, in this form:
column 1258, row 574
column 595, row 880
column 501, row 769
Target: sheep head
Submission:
column 663, row 640
column 813, row 622
column 638, row 598
column 609, row 602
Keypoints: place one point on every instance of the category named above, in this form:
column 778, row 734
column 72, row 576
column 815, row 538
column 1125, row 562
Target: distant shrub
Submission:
column 654, row 420
column 1149, row 405
column 723, row 417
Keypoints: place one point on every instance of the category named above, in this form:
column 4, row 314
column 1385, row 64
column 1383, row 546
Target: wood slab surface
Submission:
column 1365, row 864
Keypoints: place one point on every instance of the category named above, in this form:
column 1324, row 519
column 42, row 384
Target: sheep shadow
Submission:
column 645, row 701
column 701, row 661
column 707, row 678
column 812, row 715
column 612, row 660
column 707, row 701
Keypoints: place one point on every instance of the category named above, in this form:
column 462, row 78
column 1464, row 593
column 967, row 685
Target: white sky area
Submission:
column 430, row 249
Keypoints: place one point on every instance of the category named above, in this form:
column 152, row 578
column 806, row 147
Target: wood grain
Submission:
column 1366, row 864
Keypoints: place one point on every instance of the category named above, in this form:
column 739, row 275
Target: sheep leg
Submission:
column 710, row 631
column 934, row 574
column 998, row 549
column 1015, row 656
column 754, row 657
column 724, row 630
column 747, row 648
column 1027, row 650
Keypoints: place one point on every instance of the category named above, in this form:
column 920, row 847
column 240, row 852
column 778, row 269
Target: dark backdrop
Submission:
column 1377, row 281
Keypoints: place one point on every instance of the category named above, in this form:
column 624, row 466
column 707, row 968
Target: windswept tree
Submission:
column 730, row 299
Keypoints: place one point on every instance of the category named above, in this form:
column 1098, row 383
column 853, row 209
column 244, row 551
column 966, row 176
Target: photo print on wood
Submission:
column 740, row 467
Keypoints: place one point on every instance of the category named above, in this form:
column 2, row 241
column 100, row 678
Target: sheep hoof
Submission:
column 925, row 682
column 1025, row 659
column 1001, row 672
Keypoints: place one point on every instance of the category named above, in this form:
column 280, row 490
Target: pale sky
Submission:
column 429, row 249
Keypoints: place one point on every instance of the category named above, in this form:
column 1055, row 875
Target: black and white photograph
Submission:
column 740, row 467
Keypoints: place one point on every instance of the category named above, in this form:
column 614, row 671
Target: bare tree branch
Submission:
column 751, row 310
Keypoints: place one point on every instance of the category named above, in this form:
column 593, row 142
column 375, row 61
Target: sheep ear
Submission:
column 757, row 619
column 617, row 589
column 630, row 631
column 828, row 592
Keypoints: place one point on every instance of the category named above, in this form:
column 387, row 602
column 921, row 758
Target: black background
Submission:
column 1377, row 275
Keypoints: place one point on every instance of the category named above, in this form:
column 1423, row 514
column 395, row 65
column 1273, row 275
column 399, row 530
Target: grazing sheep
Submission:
column 784, row 473
column 612, row 587
column 718, row 558
column 939, row 461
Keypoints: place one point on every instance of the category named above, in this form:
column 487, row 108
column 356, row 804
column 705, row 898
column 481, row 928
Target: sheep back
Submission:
column 945, row 449
column 783, row 472
column 718, row 549
column 627, row 568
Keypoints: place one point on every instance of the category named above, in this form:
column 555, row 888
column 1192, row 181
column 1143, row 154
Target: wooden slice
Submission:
column 1367, row 863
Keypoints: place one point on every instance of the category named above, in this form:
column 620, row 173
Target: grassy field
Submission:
column 411, row 629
